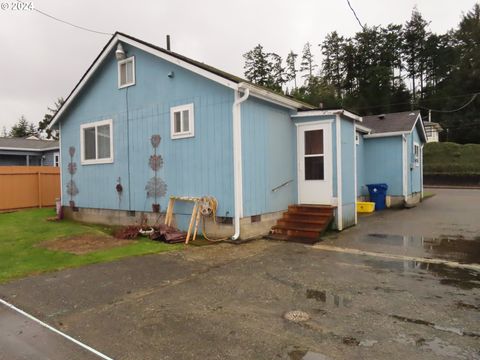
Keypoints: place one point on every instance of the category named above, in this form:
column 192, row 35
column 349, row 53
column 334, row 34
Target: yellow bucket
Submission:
column 365, row 207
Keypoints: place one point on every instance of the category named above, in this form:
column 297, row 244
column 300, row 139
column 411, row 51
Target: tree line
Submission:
column 384, row 69
column 23, row 128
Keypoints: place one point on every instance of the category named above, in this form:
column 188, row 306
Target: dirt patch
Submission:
column 84, row 244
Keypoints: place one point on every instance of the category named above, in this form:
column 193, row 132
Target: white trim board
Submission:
column 338, row 128
column 27, row 149
column 308, row 113
column 424, row 133
column 386, row 134
column 316, row 122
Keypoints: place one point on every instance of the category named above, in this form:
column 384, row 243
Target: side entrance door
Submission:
column 314, row 164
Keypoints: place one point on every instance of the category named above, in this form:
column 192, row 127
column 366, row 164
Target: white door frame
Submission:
column 328, row 155
column 405, row 167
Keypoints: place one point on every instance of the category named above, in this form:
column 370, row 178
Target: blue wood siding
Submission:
column 49, row 158
column 347, row 128
column 414, row 178
column 269, row 157
column 361, row 188
column 383, row 163
column 196, row 166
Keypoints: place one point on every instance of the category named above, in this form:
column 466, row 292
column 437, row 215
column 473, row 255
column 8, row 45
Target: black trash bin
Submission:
column 378, row 194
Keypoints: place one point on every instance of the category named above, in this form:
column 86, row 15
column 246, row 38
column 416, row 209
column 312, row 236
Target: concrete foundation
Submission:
column 250, row 227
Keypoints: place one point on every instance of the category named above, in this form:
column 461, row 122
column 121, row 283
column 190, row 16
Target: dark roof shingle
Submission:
column 393, row 122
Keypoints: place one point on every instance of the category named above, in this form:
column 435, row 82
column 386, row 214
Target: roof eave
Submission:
column 386, row 134
column 168, row 56
column 273, row 97
column 343, row 112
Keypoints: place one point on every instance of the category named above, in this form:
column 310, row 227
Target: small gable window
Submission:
column 96, row 142
column 182, row 121
column 126, row 72
column 416, row 154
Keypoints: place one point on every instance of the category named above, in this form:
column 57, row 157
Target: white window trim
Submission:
column 82, row 148
column 416, row 158
column 132, row 59
column 56, row 162
column 191, row 121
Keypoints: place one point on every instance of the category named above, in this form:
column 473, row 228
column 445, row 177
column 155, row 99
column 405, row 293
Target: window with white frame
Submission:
column 182, row 121
column 56, row 159
column 126, row 72
column 416, row 154
column 96, row 142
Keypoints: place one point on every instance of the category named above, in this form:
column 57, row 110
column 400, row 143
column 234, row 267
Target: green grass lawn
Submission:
column 452, row 159
column 21, row 231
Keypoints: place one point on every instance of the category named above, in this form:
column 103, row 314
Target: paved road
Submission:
column 229, row 301
column 24, row 339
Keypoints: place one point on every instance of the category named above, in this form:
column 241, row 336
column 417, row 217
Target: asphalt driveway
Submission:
column 229, row 301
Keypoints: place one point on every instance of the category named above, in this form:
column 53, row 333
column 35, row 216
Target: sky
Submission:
column 42, row 59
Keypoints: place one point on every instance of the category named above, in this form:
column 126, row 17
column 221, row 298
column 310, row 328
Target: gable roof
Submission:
column 210, row 72
column 28, row 144
column 393, row 123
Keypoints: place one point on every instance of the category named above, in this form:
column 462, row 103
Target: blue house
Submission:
column 268, row 159
column 30, row 151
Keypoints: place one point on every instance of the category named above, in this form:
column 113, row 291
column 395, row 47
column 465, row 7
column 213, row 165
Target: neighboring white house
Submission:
column 432, row 129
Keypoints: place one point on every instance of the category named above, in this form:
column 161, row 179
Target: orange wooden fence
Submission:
column 28, row 186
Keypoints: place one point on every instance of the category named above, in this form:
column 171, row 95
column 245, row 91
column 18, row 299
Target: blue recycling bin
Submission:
column 378, row 194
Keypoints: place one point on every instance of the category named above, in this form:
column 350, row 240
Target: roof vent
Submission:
column 381, row 116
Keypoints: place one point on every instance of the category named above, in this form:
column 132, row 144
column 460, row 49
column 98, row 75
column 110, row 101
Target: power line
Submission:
column 454, row 110
column 423, row 107
column 355, row 14
column 67, row 22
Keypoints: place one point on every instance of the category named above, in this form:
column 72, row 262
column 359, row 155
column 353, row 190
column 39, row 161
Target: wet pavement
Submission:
column 278, row 300
column 22, row 339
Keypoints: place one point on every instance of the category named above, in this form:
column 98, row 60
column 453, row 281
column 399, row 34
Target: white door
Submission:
column 314, row 151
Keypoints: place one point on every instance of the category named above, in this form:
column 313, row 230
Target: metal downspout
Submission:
column 237, row 159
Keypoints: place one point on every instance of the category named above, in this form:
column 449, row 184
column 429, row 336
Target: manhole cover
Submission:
column 297, row 316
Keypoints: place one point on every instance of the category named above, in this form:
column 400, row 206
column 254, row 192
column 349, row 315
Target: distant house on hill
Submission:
column 432, row 129
column 29, row 151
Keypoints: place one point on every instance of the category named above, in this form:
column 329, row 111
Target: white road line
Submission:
column 86, row 347
column 454, row 264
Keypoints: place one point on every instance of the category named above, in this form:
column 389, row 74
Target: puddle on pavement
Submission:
column 329, row 298
column 448, row 329
column 454, row 248
column 306, row 355
column 438, row 347
column 450, row 248
column 465, row 279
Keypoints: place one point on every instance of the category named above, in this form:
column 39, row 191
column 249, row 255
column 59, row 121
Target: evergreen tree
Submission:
column 47, row 119
column 332, row 65
column 23, row 128
column 257, row 66
column 307, row 65
column 277, row 77
column 414, row 38
column 291, row 69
